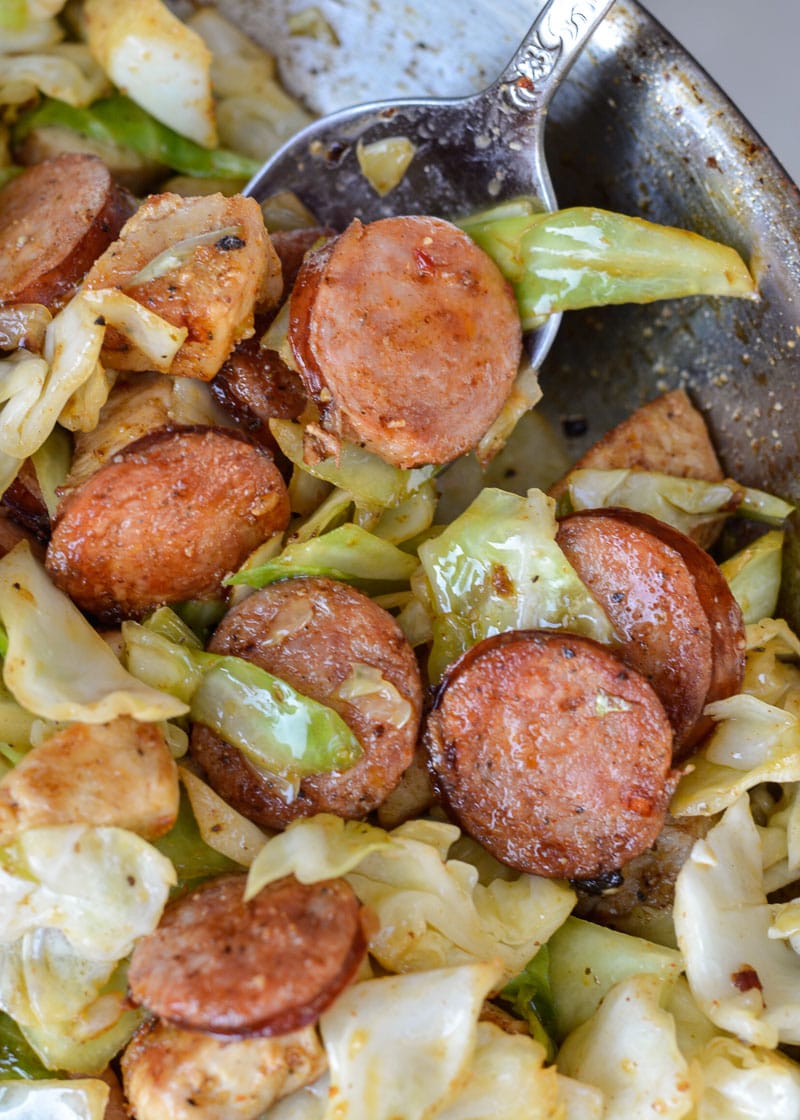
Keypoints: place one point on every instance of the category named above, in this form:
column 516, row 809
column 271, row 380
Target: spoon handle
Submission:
column 548, row 50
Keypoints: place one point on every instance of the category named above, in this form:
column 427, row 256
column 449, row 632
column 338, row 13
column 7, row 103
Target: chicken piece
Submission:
column 667, row 435
column 111, row 774
column 173, row 1074
column 210, row 288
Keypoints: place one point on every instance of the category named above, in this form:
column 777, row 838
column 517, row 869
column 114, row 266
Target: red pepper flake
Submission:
column 425, row 263
column 746, row 979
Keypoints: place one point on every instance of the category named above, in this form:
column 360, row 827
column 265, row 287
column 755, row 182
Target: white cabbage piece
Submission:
column 507, row 1081
column 754, row 575
column 628, row 1050
column 433, row 911
column 155, row 338
column 587, row 960
column 221, row 827
column 579, row 1101
column 745, row 982
column 53, row 1100
column 747, row 1082
column 693, row 1028
column 57, row 665
column 413, row 1060
column 60, row 77
column 85, row 1045
column 752, row 742
column 308, row 1103
column 314, row 848
column 32, row 36
column 101, row 887
column 498, row 567
column 156, row 60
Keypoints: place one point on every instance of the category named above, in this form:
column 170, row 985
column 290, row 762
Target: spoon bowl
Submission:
column 468, row 153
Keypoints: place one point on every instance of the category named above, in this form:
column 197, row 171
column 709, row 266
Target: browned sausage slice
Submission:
column 316, row 634
column 166, row 519
column 669, row 603
column 552, row 753
column 217, row 963
column 255, row 384
column 55, row 220
column 291, row 245
column 408, row 336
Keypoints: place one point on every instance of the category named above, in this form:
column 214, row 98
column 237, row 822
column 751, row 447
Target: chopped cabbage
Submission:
column 524, row 395
column 629, row 1051
column 21, row 76
column 45, row 980
column 752, row 742
column 497, row 567
column 154, row 337
column 579, row 1101
column 754, row 575
column 348, row 553
column 157, row 60
column 314, row 848
column 434, row 911
column 745, row 982
column 57, row 666
column 101, row 887
column 384, row 162
column 587, row 960
column 53, row 1100
column 744, row 1082
column 507, row 1081
column 221, row 827
column 413, row 1061
column 370, row 480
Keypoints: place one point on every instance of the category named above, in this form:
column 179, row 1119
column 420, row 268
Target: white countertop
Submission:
column 751, row 48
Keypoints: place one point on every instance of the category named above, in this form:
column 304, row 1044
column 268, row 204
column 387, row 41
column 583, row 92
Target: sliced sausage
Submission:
column 255, row 384
column 209, row 288
column 667, row 435
column 219, row 964
column 291, row 245
column 408, row 336
column 55, row 219
column 171, row 1074
column 670, row 606
column 314, row 634
column 166, row 519
column 552, row 753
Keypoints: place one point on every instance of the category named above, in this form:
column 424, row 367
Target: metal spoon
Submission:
column 470, row 152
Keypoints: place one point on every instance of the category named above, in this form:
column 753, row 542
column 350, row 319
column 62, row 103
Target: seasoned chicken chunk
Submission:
column 172, row 1074
column 118, row 774
column 208, row 286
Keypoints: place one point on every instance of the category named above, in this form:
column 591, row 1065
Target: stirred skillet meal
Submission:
column 395, row 345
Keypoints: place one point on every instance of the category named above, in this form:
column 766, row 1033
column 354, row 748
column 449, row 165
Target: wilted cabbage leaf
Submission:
column 435, row 911
column 628, row 1050
column 741, row 1082
column 53, row 1100
column 412, row 1061
column 745, row 982
column 57, row 665
column 44, row 979
column 101, row 887
column 314, row 848
column 497, row 567
column 507, row 1081
column 754, row 576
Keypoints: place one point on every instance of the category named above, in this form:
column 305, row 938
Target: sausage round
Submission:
column 552, row 753
column 55, row 220
column 255, row 384
column 311, row 632
column 673, row 612
column 219, row 964
column 408, row 336
column 166, row 519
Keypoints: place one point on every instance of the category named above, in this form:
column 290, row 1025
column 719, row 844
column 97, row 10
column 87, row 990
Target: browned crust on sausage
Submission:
column 291, row 245
column 409, row 337
column 217, row 963
column 667, row 435
column 650, row 594
column 552, row 753
column 328, row 627
column 166, row 519
column 55, row 220
column 724, row 614
column 254, row 385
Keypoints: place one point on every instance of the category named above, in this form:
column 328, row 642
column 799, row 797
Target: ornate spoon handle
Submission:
column 546, row 53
